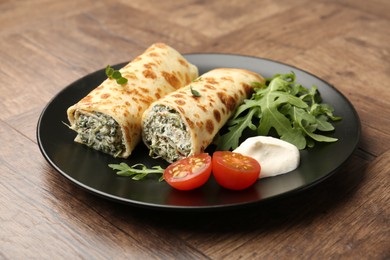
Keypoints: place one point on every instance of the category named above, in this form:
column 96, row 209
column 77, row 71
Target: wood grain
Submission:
column 46, row 45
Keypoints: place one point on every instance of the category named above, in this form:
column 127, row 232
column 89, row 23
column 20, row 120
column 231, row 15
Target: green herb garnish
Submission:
column 115, row 74
column 137, row 171
column 293, row 111
column 194, row 92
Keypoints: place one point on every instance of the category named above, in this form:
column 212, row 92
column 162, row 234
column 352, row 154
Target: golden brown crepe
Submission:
column 109, row 117
column 183, row 123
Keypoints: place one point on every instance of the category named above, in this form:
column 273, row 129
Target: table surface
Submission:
column 46, row 45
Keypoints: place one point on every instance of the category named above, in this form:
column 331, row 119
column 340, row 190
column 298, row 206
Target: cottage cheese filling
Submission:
column 100, row 131
column 165, row 134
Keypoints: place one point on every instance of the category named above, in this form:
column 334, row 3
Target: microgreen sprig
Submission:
column 115, row 74
column 194, row 92
column 137, row 171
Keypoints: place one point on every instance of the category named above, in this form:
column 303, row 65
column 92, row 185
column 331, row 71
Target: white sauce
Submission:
column 274, row 155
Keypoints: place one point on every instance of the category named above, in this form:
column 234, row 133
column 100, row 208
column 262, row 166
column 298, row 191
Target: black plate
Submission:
column 88, row 168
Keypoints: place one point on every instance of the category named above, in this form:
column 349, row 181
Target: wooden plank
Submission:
column 17, row 86
column 213, row 19
column 379, row 8
column 23, row 15
column 289, row 32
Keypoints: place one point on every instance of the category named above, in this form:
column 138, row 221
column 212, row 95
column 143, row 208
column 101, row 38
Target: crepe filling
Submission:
column 100, row 132
column 166, row 135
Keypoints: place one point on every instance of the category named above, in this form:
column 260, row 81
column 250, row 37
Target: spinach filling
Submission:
column 100, row 132
column 166, row 135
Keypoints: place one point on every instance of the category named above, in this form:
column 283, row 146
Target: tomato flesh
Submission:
column 235, row 171
column 189, row 173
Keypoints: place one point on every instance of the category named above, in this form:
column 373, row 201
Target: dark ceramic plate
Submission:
column 88, row 168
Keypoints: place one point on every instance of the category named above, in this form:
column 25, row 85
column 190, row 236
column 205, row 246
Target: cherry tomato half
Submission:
column 189, row 173
column 235, row 171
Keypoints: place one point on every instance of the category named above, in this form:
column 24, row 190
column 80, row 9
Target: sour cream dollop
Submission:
column 274, row 155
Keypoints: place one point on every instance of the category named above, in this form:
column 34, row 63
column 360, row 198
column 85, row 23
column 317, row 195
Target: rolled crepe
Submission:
column 108, row 119
column 185, row 122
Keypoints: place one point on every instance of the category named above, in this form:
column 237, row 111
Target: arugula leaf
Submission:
column 138, row 171
column 238, row 126
column 281, row 104
column 323, row 124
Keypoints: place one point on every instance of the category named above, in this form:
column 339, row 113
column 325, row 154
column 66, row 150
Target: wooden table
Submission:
column 46, row 45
